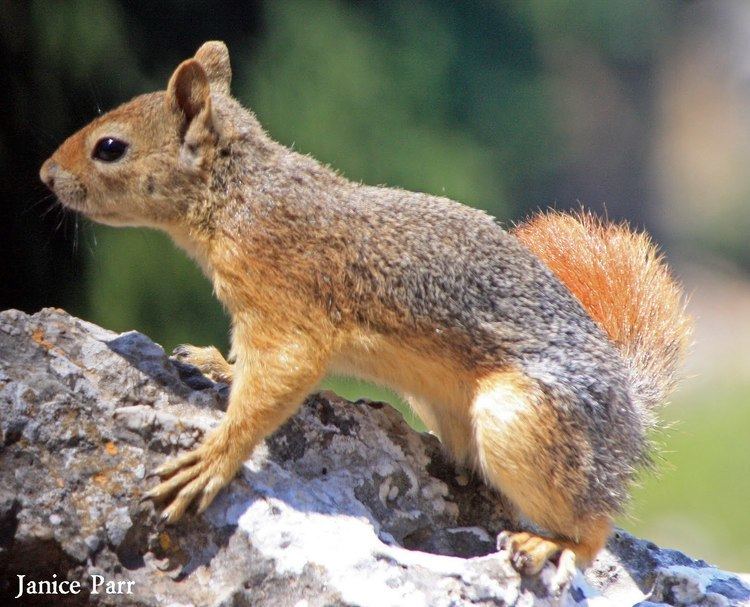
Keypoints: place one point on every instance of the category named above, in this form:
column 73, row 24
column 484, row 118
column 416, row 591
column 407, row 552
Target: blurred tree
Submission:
column 50, row 59
column 372, row 100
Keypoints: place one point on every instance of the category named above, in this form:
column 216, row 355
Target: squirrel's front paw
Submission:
column 208, row 361
column 202, row 472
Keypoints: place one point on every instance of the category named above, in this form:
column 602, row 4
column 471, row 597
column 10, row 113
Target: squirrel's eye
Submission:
column 109, row 149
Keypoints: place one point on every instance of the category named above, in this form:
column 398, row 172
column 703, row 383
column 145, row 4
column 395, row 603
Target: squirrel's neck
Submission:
column 261, row 186
column 269, row 183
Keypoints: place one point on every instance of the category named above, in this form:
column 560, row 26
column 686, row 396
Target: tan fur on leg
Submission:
column 518, row 450
column 270, row 383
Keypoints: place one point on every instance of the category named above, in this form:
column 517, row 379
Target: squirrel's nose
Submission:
column 47, row 173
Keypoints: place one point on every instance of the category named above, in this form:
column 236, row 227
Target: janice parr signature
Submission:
column 54, row 586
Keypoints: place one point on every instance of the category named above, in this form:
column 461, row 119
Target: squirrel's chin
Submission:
column 114, row 221
column 109, row 219
column 100, row 216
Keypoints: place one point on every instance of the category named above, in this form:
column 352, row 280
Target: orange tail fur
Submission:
column 625, row 285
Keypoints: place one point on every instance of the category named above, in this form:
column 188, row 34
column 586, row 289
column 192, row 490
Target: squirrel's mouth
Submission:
column 79, row 206
column 73, row 198
column 65, row 186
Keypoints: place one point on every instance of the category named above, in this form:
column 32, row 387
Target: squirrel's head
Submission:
column 149, row 162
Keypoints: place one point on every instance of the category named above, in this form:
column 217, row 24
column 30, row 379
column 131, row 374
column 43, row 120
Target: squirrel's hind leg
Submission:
column 208, row 360
column 527, row 451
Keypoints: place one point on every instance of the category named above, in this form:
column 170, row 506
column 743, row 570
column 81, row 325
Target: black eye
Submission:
column 109, row 149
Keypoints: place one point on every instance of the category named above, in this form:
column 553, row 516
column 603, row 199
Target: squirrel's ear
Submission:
column 189, row 96
column 188, row 90
column 214, row 57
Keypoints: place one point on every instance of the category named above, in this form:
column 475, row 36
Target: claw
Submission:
column 522, row 563
column 566, row 569
column 207, row 360
column 181, row 351
column 173, row 465
column 166, row 488
column 503, row 541
column 151, row 495
column 173, row 513
column 202, row 472
column 528, row 552
column 209, row 493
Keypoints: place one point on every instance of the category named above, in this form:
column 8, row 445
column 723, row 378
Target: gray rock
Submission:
column 344, row 505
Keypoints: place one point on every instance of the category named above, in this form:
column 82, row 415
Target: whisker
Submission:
column 75, row 235
column 34, row 205
column 61, row 208
column 95, row 96
column 92, row 231
column 54, row 206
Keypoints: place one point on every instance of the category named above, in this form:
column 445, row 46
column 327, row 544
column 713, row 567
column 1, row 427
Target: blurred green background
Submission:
column 638, row 109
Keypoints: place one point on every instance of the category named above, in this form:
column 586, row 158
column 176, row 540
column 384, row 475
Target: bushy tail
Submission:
column 623, row 282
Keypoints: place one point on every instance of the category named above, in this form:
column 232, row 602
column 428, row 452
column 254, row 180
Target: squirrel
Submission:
column 537, row 356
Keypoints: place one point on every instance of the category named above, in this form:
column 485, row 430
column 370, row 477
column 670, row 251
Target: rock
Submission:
column 344, row 505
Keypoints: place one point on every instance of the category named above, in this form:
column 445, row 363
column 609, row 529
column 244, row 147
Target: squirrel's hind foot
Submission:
column 528, row 552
